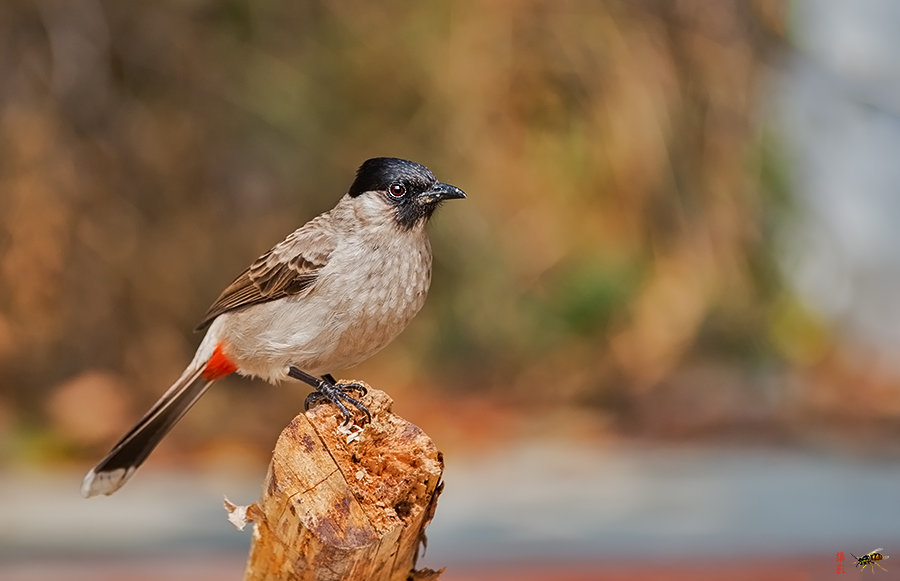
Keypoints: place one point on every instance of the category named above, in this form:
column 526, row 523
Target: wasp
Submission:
column 871, row 558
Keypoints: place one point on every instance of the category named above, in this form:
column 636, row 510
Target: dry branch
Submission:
column 349, row 505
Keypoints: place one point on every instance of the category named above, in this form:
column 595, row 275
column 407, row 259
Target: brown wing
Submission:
column 289, row 268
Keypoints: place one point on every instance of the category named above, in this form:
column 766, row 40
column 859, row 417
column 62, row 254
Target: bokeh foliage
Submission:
column 619, row 229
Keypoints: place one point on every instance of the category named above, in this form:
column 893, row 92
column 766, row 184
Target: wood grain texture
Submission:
column 348, row 506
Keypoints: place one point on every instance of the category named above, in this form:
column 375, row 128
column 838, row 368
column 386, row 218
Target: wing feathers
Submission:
column 287, row 269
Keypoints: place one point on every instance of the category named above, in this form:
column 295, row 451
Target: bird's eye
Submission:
column 397, row 190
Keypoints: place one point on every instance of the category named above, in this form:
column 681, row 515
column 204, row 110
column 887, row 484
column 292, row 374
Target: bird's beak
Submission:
column 440, row 192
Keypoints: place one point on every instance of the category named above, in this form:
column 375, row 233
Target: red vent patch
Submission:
column 219, row 365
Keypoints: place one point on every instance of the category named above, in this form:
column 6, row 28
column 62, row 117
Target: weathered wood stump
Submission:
column 345, row 504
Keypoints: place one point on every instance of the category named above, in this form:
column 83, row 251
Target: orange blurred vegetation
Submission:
column 616, row 252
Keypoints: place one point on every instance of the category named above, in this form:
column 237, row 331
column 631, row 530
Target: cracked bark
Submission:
column 338, row 505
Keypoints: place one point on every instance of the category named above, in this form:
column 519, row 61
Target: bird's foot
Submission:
column 339, row 394
column 329, row 390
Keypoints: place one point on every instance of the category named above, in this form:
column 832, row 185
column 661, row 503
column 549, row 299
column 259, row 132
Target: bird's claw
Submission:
column 337, row 393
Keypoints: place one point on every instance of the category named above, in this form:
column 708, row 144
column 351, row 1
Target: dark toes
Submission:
column 314, row 399
column 337, row 394
column 353, row 387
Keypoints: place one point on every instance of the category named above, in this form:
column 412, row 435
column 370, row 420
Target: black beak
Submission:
column 440, row 192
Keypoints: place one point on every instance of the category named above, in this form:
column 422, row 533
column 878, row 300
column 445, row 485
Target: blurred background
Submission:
column 660, row 337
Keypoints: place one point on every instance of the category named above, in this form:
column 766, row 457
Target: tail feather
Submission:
column 130, row 452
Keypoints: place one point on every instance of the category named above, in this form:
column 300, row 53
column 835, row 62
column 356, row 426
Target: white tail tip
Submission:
column 95, row 483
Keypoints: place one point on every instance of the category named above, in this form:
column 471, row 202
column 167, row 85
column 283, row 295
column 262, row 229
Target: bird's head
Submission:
column 409, row 189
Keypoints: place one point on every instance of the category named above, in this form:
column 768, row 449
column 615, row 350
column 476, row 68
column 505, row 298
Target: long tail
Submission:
column 130, row 452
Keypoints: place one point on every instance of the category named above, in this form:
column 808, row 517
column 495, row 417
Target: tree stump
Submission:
column 345, row 504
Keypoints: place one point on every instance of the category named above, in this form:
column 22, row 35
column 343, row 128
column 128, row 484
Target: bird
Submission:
column 329, row 296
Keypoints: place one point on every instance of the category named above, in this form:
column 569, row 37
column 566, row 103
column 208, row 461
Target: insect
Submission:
column 871, row 558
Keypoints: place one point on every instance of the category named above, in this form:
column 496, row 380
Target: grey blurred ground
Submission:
column 539, row 504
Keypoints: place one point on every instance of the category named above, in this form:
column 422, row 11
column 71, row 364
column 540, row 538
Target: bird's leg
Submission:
column 327, row 389
column 346, row 386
